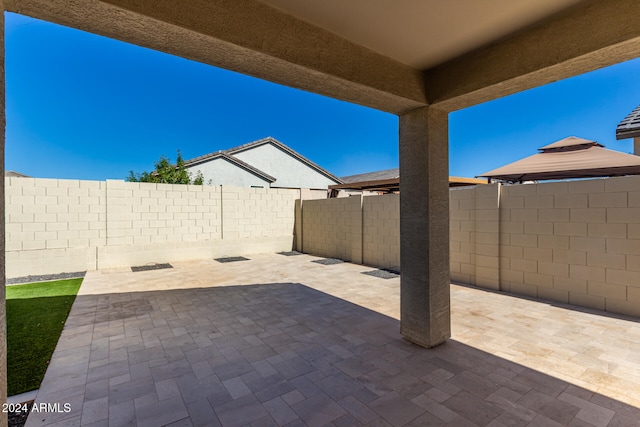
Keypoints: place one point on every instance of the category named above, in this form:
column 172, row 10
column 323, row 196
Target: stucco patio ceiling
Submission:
column 422, row 33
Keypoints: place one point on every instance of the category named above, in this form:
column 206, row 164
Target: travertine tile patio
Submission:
column 283, row 341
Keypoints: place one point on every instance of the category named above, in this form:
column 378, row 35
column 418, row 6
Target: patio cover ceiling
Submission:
column 374, row 53
column 422, row 33
column 569, row 158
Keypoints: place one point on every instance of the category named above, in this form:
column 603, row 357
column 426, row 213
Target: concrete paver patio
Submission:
column 283, row 341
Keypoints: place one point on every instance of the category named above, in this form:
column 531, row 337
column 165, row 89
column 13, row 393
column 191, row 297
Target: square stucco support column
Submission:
column 3, row 305
column 425, row 317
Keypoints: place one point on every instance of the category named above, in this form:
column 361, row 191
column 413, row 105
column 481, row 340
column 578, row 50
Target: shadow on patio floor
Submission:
column 286, row 354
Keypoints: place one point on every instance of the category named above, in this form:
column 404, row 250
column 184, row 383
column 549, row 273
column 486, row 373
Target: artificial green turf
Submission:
column 36, row 313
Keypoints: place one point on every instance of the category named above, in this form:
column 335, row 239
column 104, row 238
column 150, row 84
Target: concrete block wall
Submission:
column 53, row 223
column 381, row 231
column 141, row 213
column 159, row 223
column 58, row 226
column 333, row 228
column 474, row 216
column 576, row 242
column 258, row 212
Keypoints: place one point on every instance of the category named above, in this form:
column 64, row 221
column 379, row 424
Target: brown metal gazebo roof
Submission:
column 571, row 157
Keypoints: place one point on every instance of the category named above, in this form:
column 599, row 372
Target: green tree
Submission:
column 167, row 173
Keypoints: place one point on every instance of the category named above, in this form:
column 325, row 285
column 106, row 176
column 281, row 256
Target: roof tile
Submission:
column 629, row 127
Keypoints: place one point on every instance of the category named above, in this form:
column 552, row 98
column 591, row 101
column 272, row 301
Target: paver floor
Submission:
column 284, row 341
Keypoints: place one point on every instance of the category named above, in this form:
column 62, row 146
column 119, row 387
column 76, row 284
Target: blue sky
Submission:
column 83, row 106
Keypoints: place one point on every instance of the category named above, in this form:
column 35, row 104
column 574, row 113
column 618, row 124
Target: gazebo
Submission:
column 568, row 158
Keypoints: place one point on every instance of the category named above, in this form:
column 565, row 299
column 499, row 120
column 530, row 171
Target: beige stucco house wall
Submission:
column 220, row 171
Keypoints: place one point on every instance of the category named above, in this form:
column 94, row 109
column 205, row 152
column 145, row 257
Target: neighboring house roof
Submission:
column 389, row 180
column 629, row 127
column 569, row 158
column 14, row 174
column 234, row 160
column 372, row 176
column 229, row 153
column 281, row 146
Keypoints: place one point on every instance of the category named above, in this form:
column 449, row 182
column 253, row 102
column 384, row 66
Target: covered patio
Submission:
column 202, row 342
column 282, row 340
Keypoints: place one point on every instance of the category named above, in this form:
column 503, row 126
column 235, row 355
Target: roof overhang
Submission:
column 570, row 174
column 446, row 54
column 456, row 181
column 393, row 184
column 385, row 185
